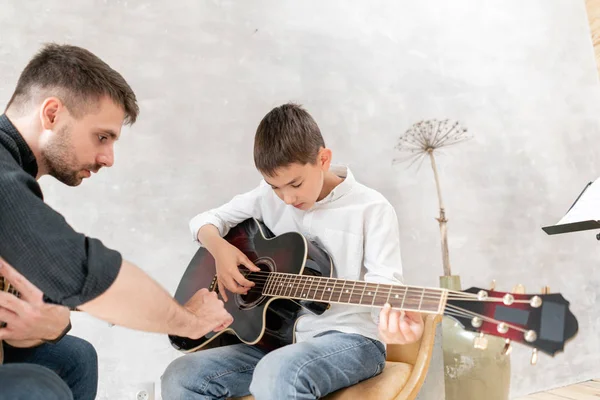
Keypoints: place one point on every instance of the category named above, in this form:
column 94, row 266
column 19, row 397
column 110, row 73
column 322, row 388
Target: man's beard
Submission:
column 60, row 159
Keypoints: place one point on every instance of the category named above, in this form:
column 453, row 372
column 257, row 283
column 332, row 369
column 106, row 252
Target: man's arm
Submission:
column 136, row 301
column 74, row 270
column 28, row 318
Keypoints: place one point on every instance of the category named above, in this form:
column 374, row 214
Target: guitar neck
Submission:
column 332, row 290
column 7, row 287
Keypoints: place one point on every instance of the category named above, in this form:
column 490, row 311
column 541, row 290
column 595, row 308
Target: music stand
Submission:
column 583, row 215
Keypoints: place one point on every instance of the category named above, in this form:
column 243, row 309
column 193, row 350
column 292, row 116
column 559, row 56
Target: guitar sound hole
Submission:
column 254, row 297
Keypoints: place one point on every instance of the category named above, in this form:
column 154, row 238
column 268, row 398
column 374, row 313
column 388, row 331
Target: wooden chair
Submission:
column 403, row 375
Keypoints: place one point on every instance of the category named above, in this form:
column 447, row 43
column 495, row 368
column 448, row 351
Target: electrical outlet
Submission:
column 142, row 395
column 145, row 392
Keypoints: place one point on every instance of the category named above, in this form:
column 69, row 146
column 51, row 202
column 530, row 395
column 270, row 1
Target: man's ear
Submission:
column 324, row 158
column 49, row 112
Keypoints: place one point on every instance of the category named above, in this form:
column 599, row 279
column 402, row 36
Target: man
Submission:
column 63, row 119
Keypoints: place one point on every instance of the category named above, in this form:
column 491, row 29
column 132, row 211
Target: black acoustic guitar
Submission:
column 5, row 286
column 296, row 278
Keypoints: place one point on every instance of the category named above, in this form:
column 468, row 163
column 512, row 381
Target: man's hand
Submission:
column 28, row 318
column 227, row 260
column 400, row 327
column 210, row 311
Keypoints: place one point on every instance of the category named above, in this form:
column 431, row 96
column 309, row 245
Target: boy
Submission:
column 356, row 225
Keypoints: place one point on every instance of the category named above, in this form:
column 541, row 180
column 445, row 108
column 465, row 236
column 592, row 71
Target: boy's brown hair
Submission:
column 286, row 135
column 77, row 77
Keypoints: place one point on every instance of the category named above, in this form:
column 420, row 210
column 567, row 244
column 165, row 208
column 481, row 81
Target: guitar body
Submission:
column 265, row 321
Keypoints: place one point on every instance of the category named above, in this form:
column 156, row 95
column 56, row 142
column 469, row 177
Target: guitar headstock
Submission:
column 542, row 321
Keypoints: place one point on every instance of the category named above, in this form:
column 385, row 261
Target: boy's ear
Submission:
column 324, row 158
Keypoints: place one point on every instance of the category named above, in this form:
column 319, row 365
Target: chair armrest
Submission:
column 421, row 365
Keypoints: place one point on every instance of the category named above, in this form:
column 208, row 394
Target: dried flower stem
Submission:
column 442, row 218
column 420, row 141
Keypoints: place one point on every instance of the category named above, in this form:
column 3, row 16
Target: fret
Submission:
column 404, row 297
column 274, row 285
column 375, row 294
column 287, row 285
column 357, row 293
column 296, row 280
column 411, row 302
column 267, row 288
column 351, row 292
column 318, row 280
column 290, row 285
column 363, row 293
column 341, row 292
column 389, row 294
column 394, row 296
column 367, row 291
column 281, row 285
column 433, row 303
column 311, row 280
column 324, row 287
column 306, row 280
column 332, row 290
column 296, row 283
column 421, row 301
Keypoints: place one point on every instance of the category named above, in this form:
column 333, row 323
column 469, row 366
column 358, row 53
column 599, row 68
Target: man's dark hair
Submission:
column 286, row 135
column 77, row 77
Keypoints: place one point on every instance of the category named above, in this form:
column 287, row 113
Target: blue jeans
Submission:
column 73, row 359
column 31, row 382
column 305, row 370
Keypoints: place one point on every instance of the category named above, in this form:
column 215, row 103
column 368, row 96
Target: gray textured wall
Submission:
column 519, row 74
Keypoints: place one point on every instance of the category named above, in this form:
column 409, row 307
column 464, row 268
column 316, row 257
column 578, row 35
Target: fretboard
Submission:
column 332, row 290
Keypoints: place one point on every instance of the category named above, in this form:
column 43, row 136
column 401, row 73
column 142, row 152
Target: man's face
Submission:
column 77, row 147
column 298, row 185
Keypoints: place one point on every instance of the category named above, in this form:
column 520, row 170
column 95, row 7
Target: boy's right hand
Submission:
column 227, row 259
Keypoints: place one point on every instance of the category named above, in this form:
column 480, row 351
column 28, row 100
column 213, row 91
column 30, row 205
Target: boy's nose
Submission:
column 289, row 199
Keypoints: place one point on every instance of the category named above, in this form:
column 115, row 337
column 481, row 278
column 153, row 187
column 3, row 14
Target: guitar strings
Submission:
column 450, row 310
column 322, row 283
column 462, row 312
column 283, row 278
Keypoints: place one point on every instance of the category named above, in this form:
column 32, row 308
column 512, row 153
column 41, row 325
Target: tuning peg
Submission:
column 519, row 289
column 493, row 285
column 534, row 356
column 507, row 348
column 480, row 342
column 545, row 289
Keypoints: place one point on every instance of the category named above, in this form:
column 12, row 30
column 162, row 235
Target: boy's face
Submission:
column 299, row 185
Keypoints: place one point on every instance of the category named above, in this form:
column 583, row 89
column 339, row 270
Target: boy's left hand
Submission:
column 400, row 327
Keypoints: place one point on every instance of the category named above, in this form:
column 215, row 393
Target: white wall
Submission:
column 519, row 74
